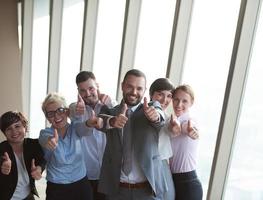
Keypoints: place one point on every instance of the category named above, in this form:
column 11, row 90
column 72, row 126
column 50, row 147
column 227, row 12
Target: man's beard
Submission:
column 138, row 100
column 91, row 101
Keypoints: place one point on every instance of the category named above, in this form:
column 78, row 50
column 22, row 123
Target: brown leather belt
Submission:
column 135, row 185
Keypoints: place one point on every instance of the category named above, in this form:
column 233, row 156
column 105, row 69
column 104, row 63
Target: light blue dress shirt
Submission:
column 94, row 144
column 66, row 163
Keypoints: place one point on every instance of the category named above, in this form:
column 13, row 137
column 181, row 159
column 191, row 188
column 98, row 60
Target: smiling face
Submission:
column 58, row 119
column 182, row 101
column 133, row 89
column 15, row 133
column 88, row 90
column 164, row 97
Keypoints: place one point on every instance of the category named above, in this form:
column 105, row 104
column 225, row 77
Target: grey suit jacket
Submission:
column 145, row 141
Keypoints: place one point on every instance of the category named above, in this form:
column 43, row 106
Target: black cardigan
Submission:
column 31, row 150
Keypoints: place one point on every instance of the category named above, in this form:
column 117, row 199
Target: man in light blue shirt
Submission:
column 89, row 104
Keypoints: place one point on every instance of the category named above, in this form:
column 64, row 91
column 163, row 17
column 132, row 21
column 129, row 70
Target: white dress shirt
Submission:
column 164, row 146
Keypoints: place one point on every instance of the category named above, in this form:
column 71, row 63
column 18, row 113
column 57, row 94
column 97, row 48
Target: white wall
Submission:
column 10, row 68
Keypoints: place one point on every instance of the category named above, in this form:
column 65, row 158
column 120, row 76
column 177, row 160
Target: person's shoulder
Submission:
column 73, row 105
column 4, row 144
column 47, row 130
column 31, row 140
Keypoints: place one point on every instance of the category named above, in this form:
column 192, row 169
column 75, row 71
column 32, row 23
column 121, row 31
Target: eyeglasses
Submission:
column 59, row 111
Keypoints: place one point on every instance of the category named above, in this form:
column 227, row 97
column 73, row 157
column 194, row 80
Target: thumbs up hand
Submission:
column 35, row 170
column 94, row 121
column 174, row 126
column 80, row 106
column 192, row 131
column 150, row 112
column 106, row 100
column 120, row 120
column 6, row 164
column 52, row 142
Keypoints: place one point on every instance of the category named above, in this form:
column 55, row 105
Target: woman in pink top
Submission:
column 184, row 141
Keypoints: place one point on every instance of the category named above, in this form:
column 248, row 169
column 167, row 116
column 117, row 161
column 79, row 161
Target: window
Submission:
column 108, row 45
column 206, row 68
column 245, row 175
column 72, row 23
column 39, row 68
column 154, row 36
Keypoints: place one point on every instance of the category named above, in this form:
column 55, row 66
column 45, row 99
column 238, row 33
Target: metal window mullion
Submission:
column 129, row 39
column 56, row 13
column 89, row 34
column 249, row 12
column 27, row 35
column 182, row 19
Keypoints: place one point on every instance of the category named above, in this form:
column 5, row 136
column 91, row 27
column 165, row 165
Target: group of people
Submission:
column 129, row 151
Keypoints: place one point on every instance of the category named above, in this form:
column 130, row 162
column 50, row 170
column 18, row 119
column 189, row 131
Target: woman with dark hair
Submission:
column 22, row 159
column 161, row 90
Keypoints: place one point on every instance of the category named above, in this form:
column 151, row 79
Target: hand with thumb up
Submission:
column 120, row 120
column 192, row 131
column 94, row 121
column 6, row 164
column 174, row 126
column 35, row 170
column 52, row 141
column 150, row 112
column 80, row 106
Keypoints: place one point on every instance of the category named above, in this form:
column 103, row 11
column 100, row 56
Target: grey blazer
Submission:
column 145, row 141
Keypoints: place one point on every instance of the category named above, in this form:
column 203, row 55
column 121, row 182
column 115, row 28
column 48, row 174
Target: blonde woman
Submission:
column 184, row 141
column 66, row 171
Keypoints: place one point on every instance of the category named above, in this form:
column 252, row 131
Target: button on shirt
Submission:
column 94, row 144
column 66, row 163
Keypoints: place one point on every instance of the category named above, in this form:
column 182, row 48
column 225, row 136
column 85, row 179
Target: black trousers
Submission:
column 79, row 190
column 187, row 186
column 96, row 195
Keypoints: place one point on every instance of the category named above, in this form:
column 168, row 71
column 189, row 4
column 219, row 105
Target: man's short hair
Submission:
column 83, row 76
column 134, row 72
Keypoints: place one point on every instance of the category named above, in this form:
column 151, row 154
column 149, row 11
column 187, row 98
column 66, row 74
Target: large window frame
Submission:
column 236, row 82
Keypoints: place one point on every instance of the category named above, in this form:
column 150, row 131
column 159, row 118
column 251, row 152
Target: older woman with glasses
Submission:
column 22, row 159
column 66, row 171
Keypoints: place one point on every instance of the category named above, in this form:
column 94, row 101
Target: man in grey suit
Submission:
column 144, row 178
